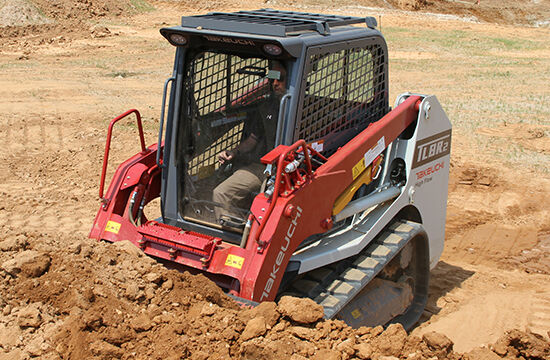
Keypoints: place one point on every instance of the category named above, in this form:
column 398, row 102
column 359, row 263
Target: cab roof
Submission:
column 272, row 22
column 291, row 30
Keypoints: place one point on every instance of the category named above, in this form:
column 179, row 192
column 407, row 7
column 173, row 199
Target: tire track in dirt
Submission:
column 539, row 321
column 479, row 308
column 33, row 132
column 492, row 220
column 499, row 242
column 39, row 173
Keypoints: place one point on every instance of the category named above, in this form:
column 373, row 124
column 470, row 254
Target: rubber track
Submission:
column 334, row 285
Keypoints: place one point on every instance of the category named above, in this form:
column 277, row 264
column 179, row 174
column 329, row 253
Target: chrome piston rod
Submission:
column 367, row 202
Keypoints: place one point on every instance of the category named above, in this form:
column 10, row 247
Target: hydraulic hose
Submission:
column 131, row 208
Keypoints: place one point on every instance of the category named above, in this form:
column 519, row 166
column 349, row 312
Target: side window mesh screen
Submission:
column 344, row 90
column 216, row 88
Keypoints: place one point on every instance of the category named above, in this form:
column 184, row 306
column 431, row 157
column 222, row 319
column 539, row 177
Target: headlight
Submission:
column 272, row 49
column 178, row 39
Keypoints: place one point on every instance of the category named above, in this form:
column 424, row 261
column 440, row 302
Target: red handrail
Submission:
column 108, row 146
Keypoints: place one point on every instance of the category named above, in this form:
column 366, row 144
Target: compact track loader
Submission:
column 348, row 205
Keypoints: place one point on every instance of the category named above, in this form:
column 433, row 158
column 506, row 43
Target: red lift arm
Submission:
column 301, row 206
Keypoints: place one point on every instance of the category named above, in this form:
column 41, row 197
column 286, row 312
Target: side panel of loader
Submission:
column 349, row 270
column 427, row 187
column 425, row 191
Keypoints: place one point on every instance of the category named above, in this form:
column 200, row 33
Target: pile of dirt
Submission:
column 414, row 5
column 20, row 13
column 43, row 19
column 104, row 301
column 533, row 13
column 61, row 10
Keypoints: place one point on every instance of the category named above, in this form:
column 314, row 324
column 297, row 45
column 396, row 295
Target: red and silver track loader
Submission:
column 350, row 201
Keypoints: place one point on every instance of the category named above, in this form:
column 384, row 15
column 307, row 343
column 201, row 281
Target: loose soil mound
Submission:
column 45, row 19
column 509, row 12
column 20, row 13
column 533, row 13
column 104, row 301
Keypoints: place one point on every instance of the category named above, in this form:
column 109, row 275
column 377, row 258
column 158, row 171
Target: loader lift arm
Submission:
column 310, row 200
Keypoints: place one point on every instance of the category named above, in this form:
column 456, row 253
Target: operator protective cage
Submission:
column 336, row 80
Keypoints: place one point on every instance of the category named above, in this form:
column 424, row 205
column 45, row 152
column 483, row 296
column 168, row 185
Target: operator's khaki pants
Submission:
column 238, row 190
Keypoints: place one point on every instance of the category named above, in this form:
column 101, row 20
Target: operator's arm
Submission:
column 245, row 146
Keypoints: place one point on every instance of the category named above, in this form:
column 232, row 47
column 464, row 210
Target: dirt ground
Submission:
column 68, row 67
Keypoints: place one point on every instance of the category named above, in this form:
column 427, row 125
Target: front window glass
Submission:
column 230, row 113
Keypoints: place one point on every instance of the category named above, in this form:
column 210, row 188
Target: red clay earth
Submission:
column 63, row 296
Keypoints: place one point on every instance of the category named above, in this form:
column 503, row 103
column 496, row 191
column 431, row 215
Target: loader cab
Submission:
column 222, row 92
column 230, row 106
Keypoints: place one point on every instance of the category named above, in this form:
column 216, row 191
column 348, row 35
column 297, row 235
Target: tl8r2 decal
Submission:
column 432, row 148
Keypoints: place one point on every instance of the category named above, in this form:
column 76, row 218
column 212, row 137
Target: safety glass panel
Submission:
column 228, row 104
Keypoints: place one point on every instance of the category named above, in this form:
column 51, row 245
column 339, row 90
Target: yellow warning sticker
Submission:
column 356, row 313
column 234, row 261
column 358, row 168
column 113, row 227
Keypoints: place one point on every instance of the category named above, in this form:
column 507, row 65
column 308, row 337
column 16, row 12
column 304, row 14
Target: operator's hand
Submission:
column 225, row 156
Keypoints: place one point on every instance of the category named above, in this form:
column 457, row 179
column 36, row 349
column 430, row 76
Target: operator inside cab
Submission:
column 257, row 140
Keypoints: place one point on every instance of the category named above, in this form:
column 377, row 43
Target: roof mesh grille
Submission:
column 269, row 22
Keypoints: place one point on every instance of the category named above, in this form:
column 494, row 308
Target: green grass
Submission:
column 122, row 74
column 18, row 64
column 456, row 41
column 390, row 31
column 510, row 44
column 495, row 74
column 483, row 80
column 141, row 6
column 513, row 154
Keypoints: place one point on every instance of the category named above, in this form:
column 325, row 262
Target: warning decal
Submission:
column 356, row 313
column 318, row 145
column 375, row 151
column 113, row 227
column 234, row 261
column 358, row 168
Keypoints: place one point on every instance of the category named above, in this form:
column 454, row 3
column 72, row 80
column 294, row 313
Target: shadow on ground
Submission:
column 443, row 279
